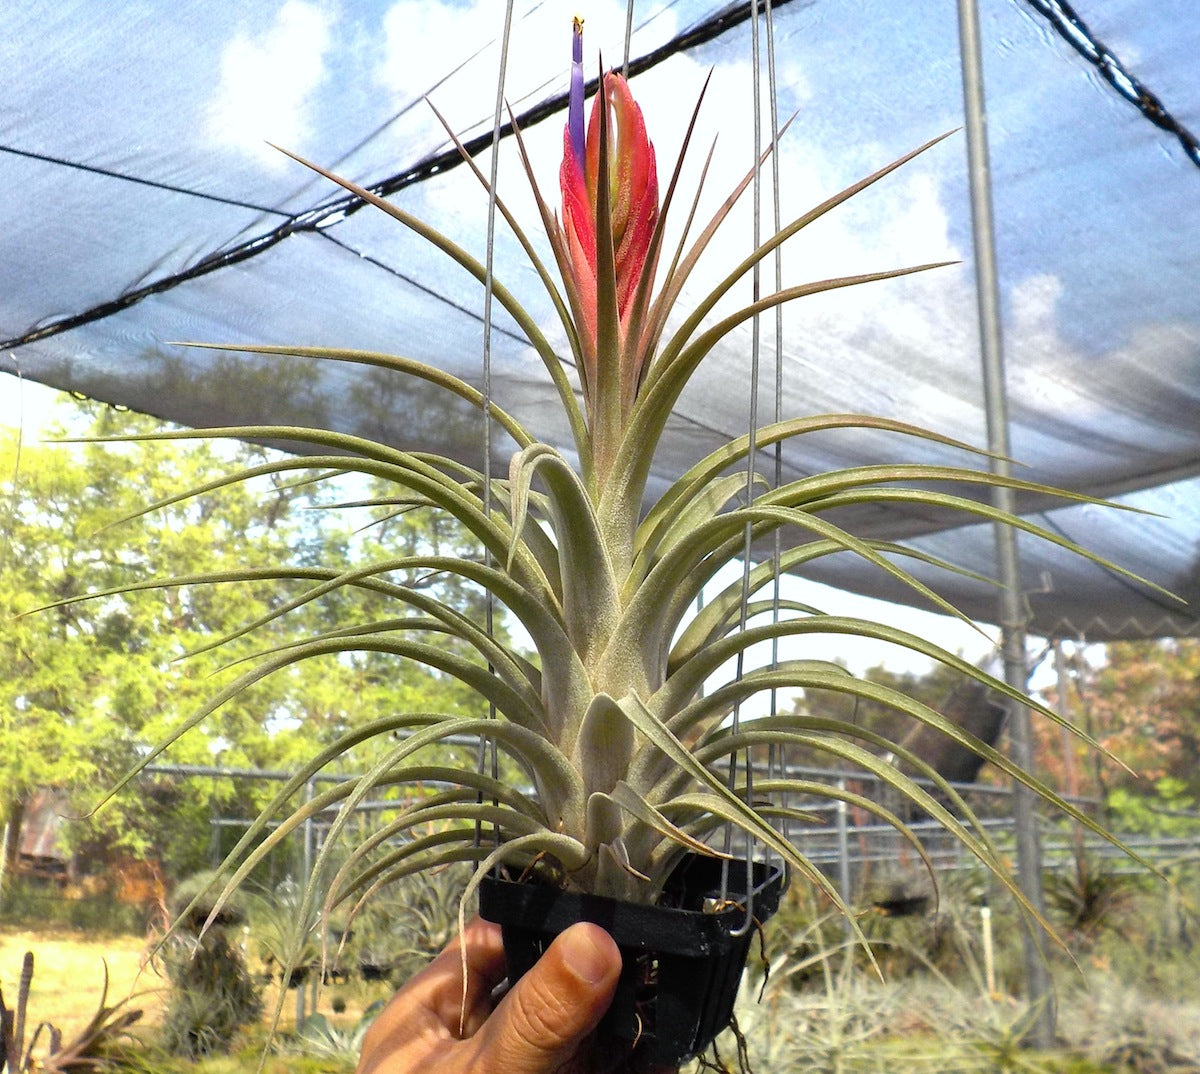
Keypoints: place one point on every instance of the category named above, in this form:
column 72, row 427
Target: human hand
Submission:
column 540, row 1027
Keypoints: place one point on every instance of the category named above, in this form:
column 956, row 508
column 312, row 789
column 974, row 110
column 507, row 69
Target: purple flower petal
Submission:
column 575, row 100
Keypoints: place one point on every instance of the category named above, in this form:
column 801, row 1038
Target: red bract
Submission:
column 633, row 185
column 632, row 208
column 579, row 232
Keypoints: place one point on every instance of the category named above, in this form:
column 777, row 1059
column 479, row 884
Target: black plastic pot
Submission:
column 373, row 971
column 683, row 959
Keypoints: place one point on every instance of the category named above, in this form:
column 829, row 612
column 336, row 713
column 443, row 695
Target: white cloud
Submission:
column 424, row 42
column 1035, row 303
column 267, row 80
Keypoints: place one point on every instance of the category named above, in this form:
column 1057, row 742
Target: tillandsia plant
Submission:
column 614, row 718
column 97, row 1046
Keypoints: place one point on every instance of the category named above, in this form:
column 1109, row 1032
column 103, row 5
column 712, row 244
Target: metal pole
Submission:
column 843, row 853
column 1029, row 851
column 306, row 865
column 8, row 826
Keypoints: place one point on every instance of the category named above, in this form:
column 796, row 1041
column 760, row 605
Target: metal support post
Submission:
column 1029, row 854
column 843, row 852
column 306, row 867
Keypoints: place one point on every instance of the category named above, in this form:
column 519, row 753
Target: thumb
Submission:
column 540, row 1024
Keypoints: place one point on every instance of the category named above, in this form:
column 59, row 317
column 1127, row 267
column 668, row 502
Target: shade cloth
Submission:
column 143, row 206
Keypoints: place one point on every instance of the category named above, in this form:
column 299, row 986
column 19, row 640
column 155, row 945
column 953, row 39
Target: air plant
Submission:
column 88, row 1050
column 614, row 718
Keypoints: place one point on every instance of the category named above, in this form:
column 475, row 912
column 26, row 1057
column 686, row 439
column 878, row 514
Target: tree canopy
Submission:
column 91, row 684
column 1143, row 704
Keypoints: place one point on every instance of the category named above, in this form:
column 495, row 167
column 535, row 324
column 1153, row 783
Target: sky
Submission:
column 290, row 71
column 268, row 83
column 25, row 404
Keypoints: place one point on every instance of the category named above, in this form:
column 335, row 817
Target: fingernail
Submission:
column 589, row 960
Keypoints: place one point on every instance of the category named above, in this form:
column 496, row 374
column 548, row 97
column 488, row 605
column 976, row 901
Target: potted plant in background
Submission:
column 614, row 719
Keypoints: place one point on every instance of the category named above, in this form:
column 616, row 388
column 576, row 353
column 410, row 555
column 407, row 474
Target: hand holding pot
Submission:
column 540, row 1027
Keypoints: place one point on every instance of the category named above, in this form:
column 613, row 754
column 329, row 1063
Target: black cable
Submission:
column 1057, row 12
column 337, row 209
column 1072, row 29
column 108, row 173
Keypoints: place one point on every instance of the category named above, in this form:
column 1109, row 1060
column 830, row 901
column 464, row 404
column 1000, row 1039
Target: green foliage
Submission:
column 1142, row 703
column 1089, row 897
column 1113, row 1021
column 944, row 936
column 1154, row 951
column 403, row 926
column 930, row 688
column 1128, row 998
column 37, row 905
column 1168, row 810
column 90, row 684
column 833, row 1018
column 822, row 1010
column 212, row 994
column 321, row 1039
column 289, row 944
column 248, row 1055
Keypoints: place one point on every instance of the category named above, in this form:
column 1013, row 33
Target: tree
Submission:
column 937, row 688
column 1143, row 705
column 91, row 684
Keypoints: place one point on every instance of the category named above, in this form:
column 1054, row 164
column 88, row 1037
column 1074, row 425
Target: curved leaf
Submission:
column 653, row 613
column 678, row 342
column 604, row 745
column 993, row 514
column 402, row 468
column 525, row 322
column 429, row 851
column 566, row 396
column 590, row 601
column 409, row 367
column 659, row 396
column 725, row 803
column 653, row 818
column 694, row 482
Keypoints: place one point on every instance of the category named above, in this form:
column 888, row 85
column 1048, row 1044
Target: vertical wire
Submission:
column 751, row 464
column 773, row 753
column 487, row 746
column 628, row 38
column 9, row 528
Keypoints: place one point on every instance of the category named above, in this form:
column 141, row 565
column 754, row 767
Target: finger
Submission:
column 430, row 1006
column 485, row 968
column 541, row 1022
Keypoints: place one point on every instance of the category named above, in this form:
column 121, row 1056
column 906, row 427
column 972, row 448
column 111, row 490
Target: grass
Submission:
column 247, row 1059
column 1134, row 1008
column 69, row 976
